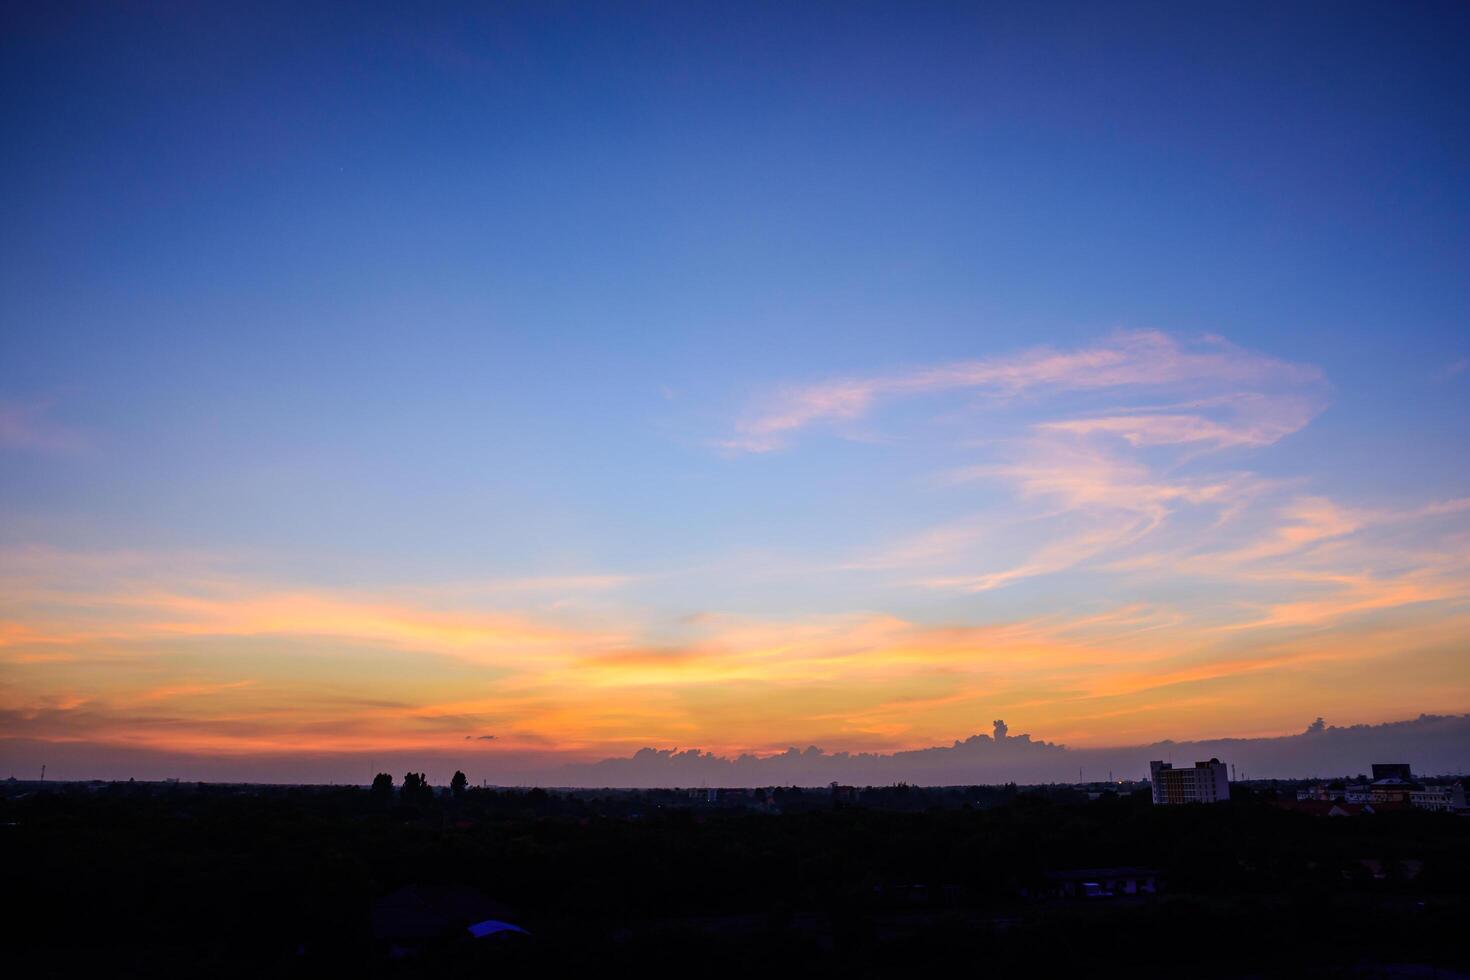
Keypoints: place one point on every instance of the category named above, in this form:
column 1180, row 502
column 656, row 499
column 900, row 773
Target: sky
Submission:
column 526, row 384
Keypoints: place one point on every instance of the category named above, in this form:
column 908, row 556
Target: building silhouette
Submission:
column 1392, row 770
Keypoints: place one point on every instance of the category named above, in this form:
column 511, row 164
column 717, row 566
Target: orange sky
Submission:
column 1132, row 568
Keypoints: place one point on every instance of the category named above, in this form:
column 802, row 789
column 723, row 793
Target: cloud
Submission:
column 1105, row 457
column 549, row 585
column 28, row 428
column 734, row 683
column 70, row 598
column 1436, row 743
column 1243, row 419
column 1133, row 360
column 1300, row 524
column 1074, row 502
column 1115, row 467
column 1125, row 550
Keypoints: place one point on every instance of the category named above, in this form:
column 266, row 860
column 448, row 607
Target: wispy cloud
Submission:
column 1115, row 533
column 29, row 427
column 1142, row 359
column 1116, row 467
column 1239, row 419
column 328, row 671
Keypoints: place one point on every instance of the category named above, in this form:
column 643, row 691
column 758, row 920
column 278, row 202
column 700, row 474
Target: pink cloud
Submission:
column 1239, row 419
column 27, row 428
column 1140, row 359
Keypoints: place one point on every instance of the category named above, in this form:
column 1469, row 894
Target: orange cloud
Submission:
column 1120, row 580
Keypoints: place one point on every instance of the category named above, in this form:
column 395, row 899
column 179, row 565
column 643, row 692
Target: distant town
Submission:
column 404, row 878
column 1391, row 786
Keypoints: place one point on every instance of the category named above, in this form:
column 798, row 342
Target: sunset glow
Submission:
column 323, row 435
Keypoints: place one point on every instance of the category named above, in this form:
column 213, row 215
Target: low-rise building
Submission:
column 1392, row 790
column 1323, row 792
column 1337, row 791
column 1097, row 883
column 1393, row 787
column 1437, row 798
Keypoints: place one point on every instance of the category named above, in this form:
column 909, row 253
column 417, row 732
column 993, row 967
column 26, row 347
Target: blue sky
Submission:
column 365, row 299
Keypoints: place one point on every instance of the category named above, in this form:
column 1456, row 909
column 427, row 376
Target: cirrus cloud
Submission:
column 1268, row 397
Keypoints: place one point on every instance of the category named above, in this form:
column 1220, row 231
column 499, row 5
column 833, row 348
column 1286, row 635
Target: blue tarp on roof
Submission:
column 492, row 926
column 422, row 913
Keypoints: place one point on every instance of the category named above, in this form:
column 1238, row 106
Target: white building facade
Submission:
column 1206, row 782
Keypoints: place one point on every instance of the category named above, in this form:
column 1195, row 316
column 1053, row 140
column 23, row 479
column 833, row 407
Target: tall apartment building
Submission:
column 1207, row 782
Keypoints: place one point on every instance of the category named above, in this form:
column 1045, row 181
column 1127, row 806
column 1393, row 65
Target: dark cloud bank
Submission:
column 1432, row 744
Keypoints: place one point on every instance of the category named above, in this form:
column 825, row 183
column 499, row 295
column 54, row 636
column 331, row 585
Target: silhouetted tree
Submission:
column 416, row 788
column 457, row 784
column 382, row 790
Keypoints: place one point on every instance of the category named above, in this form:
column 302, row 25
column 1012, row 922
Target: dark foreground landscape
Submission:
column 131, row 879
